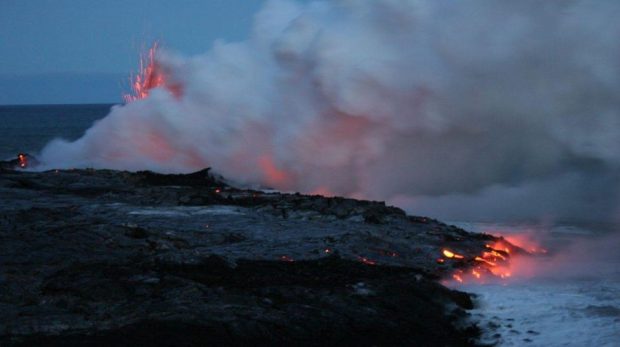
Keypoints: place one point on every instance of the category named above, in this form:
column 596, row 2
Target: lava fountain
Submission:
column 150, row 76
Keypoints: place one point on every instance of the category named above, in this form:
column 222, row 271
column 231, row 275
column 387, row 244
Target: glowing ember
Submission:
column 23, row 160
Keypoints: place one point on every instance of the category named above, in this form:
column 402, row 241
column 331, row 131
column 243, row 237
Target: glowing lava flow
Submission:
column 149, row 77
column 492, row 263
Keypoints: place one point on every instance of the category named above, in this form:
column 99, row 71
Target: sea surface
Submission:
column 572, row 299
column 569, row 296
column 29, row 128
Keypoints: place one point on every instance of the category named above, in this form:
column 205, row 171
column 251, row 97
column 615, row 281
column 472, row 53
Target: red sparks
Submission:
column 149, row 77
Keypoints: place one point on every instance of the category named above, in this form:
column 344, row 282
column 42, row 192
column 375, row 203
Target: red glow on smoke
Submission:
column 274, row 176
column 151, row 143
column 527, row 242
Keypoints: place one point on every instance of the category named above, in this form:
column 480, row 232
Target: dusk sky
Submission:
column 68, row 51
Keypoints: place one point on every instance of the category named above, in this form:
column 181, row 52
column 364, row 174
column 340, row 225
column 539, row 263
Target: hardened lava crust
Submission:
column 102, row 257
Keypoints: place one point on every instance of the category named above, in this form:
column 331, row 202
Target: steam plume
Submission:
column 510, row 107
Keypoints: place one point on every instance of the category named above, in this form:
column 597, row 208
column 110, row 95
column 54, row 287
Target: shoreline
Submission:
column 109, row 257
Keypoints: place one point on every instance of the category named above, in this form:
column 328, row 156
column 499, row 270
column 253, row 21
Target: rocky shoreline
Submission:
column 101, row 258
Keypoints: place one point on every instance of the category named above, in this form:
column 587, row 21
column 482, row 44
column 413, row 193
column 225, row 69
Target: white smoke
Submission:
column 452, row 108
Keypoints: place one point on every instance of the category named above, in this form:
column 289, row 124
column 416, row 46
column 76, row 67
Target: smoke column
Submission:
column 458, row 109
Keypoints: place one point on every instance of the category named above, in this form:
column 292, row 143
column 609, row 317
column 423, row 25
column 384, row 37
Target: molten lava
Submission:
column 496, row 261
column 450, row 254
column 149, row 77
column 23, row 160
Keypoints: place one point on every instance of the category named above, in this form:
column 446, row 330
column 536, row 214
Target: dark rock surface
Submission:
column 101, row 258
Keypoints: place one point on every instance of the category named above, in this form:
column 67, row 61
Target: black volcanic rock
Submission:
column 101, row 257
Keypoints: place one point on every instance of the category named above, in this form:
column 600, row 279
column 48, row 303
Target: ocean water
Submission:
column 571, row 298
column 28, row 128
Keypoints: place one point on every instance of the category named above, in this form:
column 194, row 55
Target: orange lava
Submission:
column 23, row 160
column 499, row 260
column 450, row 254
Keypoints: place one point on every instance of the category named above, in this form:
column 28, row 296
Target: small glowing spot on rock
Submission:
column 367, row 261
column 287, row 258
